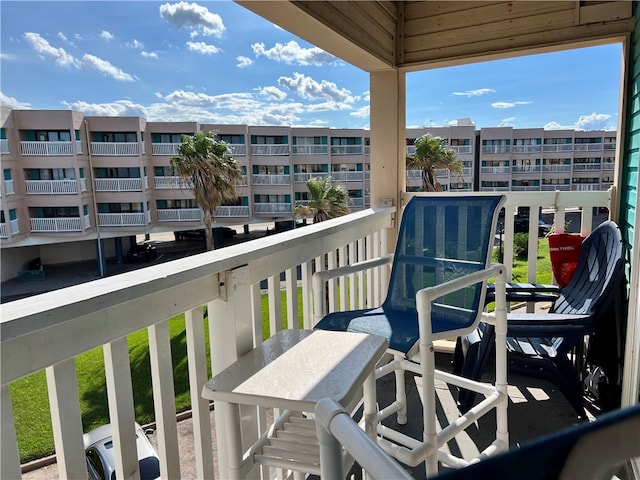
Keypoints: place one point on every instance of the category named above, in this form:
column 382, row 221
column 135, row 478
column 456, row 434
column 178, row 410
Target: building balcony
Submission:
column 588, row 147
column 168, row 183
column 237, row 149
column 495, row 170
column 51, row 187
column 347, row 176
column 105, row 312
column 556, row 168
column 120, row 184
column 525, row 188
column 167, row 149
column 57, row 224
column 115, row 149
column 585, row 187
column 461, row 149
column 553, row 188
column 305, row 177
column 46, row 149
column 554, row 148
column 8, row 187
column 179, row 215
column 4, row 146
column 346, row 149
column 310, row 149
column 232, row 211
column 526, row 149
column 586, row 167
column 3, row 230
column 526, row 169
column 272, row 209
column 264, row 179
column 136, row 219
column 496, row 149
column 270, row 149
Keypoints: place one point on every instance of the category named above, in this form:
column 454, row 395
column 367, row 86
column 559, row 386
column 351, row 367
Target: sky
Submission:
column 216, row 62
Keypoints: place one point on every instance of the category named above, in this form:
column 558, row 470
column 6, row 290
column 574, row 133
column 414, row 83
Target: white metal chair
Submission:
column 436, row 291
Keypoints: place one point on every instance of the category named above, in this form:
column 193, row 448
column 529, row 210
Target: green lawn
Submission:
column 30, row 399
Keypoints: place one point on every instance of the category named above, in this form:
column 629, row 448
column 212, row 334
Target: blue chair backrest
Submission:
column 598, row 275
column 443, row 238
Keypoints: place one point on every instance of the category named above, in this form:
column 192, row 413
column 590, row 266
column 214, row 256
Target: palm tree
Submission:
column 432, row 154
column 328, row 200
column 206, row 168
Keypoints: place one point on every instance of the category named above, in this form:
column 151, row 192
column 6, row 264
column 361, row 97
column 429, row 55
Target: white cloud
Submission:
column 6, row 56
column 13, row 103
column 120, row 108
column 293, row 53
column 149, row 54
column 196, row 18
column 78, row 37
column 137, row 44
column 107, row 36
column 44, row 49
column 474, row 93
column 243, row 61
column 308, row 88
column 203, row 48
column 107, row 68
column 502, row 105
column 594, row 121
column 64, row 38
column 362, row 112
column 272, row 93
column 507, row 122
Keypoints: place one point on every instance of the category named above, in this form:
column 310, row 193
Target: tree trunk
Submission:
column 208, row 230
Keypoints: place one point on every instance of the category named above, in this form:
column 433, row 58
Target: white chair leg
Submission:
column 401, row 393
column 428, row 359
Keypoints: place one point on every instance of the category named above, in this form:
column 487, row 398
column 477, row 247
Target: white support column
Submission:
column 197, row 361
column 388, row 140
column 10, row 465
column 164, row 399
column 121, row 412
column 66, row 420
column 291, row 279
column 231, row 317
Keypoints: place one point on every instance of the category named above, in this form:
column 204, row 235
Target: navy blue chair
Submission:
column 549, row 346
column 436, row 290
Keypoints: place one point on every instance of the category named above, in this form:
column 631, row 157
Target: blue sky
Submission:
column 216, row 62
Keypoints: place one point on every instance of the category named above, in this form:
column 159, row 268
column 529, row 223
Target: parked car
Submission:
column 101, row 465
column 227, row 232
column 521, row 225
column 142, row 253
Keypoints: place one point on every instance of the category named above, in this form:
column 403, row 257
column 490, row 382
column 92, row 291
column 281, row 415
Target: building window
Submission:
column 269, row 140
column 232, row 139
column 48, row 135
column 120, row 208
column 49, row 174
column 165, row 172
column 182, row 203
column 118, row 172
column 588, row 140
column 115, row 137
column 167, row 137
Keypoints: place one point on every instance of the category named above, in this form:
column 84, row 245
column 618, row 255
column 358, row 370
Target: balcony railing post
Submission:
column 121, row 410
column 10, row 465
column 164, row 398
column 196, row 353
column 66, row 419
column 230, row 317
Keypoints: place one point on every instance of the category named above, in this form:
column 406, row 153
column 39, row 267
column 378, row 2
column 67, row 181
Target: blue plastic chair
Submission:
column 437, row 286
column 548, row 346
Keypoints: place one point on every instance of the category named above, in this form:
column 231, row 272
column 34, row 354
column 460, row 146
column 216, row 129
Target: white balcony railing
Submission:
column 168, row 149
column 51, row 187
column 121, row 219
column 272, row 208
column 556, row 168
column 237, row 149
column 3, row 230
column 586, row 167
column 8, row 187
column 15, row 226
column 87, row 222
column 495, row 170
column 588, row 147
column 346, row 149
column 347, row 176
column 83, row 184
column 310, row 149
column 460, row 149
column 553, row 188
column 79, row 147
column 45, row 149
column 227, row 282
column 58, row 224
column 115, row 149
column 164, row 183
column 525, row 169
column 268, row 149
column 585, row 187
column 232, row 211
column 305, row 177
column 118, row 184
column 4, row 146
column 496, row 149
column 564, row 147
column 526, row 149
column 264, row 179
column 179, row 215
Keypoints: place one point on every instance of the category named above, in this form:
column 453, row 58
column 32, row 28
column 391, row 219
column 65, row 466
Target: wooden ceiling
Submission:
column 415, row 35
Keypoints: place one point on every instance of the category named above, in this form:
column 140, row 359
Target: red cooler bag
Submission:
column 564, row 251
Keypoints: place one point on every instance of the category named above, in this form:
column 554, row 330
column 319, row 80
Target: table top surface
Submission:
column 295, row 369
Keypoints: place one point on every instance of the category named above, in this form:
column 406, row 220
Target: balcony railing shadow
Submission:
column 49, row 331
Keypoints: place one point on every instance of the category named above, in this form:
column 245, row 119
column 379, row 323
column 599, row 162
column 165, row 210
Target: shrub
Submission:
column 521, row 245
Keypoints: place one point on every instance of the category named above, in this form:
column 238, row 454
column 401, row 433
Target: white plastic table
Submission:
column 294, row 369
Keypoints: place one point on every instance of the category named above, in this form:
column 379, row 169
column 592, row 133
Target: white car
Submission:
column 98, row 447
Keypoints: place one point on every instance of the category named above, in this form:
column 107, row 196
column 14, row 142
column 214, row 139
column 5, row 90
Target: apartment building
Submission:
column 80, row 187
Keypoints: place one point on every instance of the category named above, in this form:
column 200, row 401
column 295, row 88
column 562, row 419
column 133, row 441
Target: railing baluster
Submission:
column 307, row 299
column 66, row 420
column 10, row 465
column 361, row 278
column 197, row 363
column 164, row 398
column 291, row 285
column 342, row 281
column 121, row 410
column 331, row 284
column 275, row 307
column 352, row 278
